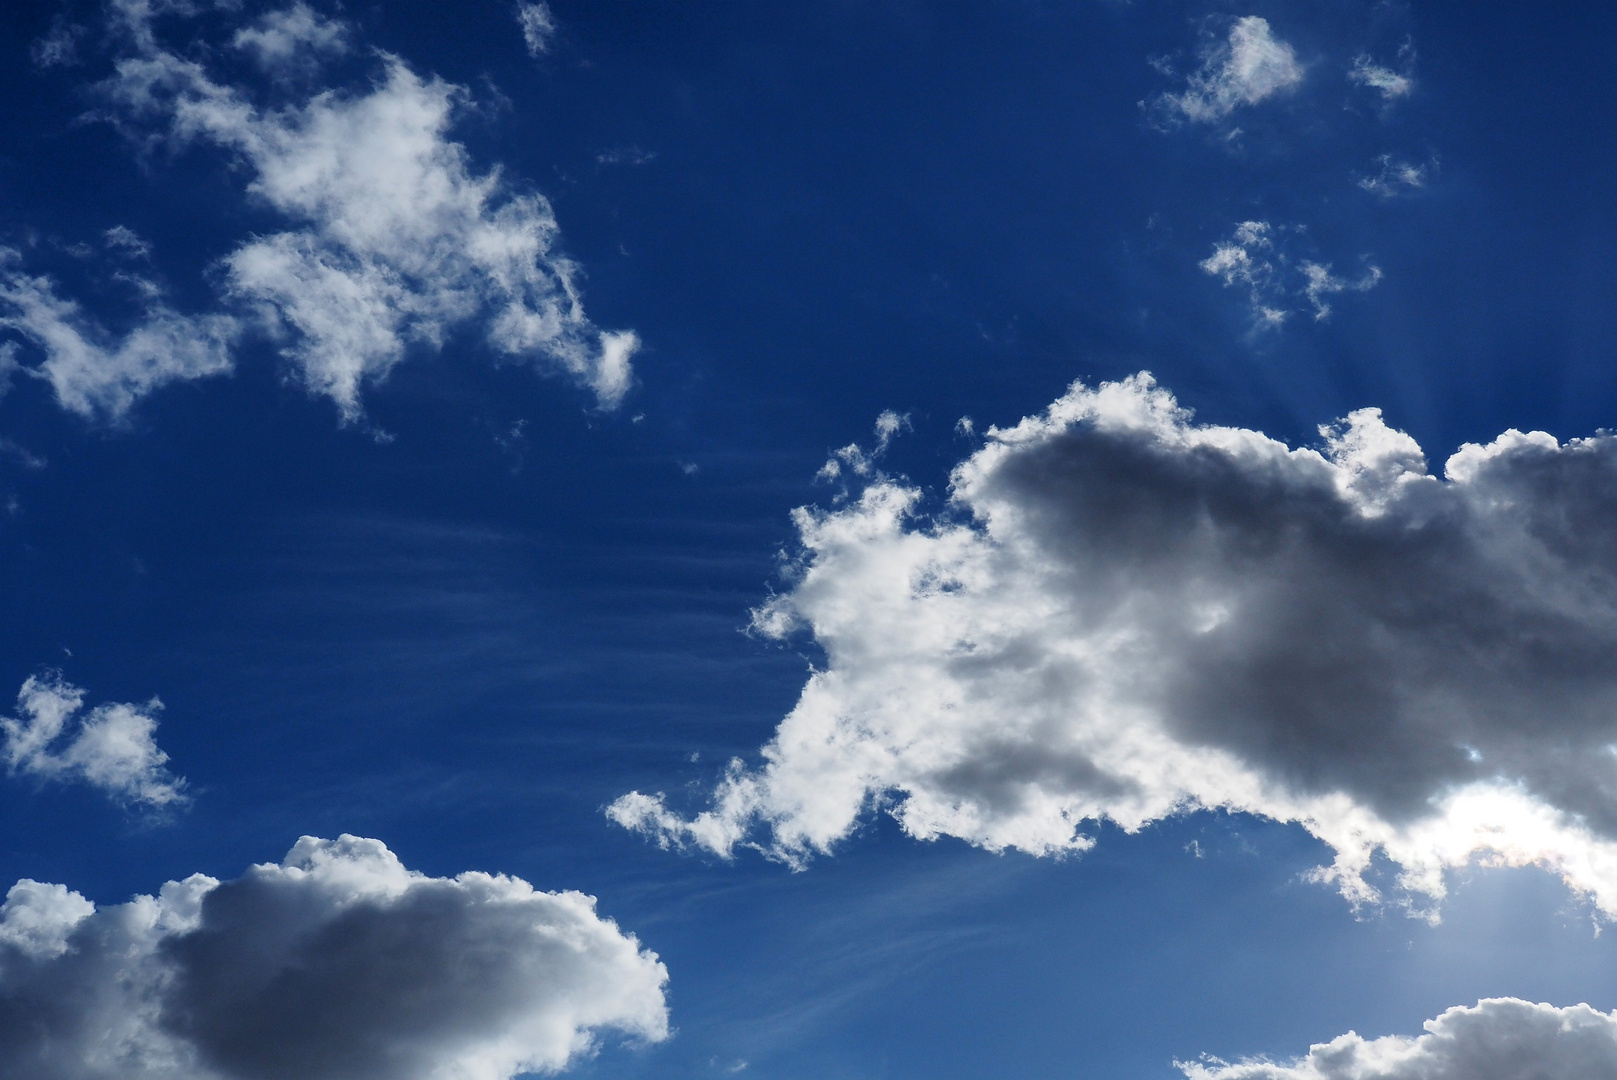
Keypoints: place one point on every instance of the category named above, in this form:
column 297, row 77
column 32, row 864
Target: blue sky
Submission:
column 420, row 404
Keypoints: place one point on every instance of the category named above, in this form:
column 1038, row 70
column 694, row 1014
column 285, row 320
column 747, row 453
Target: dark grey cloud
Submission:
column 1129, row 615
column 336, row 962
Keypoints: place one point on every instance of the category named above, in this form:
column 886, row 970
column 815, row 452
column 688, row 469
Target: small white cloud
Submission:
column 337, row 962
column 96, row 373
column 1396, row 177
column 1497, row 1039
column 538, row 26
column 1322, row 283
column 1254, row 259
column 1390, row 83
column 1123, row 616
column 125, row 240
column 1248, row 67
column 292, row 38
column 59, row 47
column 112, row 747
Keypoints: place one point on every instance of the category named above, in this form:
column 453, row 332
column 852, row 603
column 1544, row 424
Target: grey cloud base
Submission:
column 1126, row 615
column 1497, row 1039
column 337, row 962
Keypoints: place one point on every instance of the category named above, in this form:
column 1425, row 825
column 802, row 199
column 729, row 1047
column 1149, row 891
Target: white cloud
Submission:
column 1322, row 283
column 336, row 963
column 1390, row 83
column 1397, row 177
column 1124, row 616
column 1253, row 259
column 1497, row 1039
column 1248, row 67
column 95, row 372
column 396, row 240
column 112, row 747
column 292, row 37
column 538, row 26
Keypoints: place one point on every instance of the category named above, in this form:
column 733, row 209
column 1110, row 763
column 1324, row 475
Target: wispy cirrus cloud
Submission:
column 335, row 963
column 1124, row 615
column 1390, row 83
column 112, row 747
column 1496, row 1039
column 1397, row 177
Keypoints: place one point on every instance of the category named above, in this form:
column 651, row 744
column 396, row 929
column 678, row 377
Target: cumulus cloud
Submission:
column 94, row 371
column 1254, row 259
column 1497, row 1039
column 395, row 240
column 338, row 962
column 1397, row 177
column 1250, row 66
column 111, row 747
column 538, row 26
column 1123, row 615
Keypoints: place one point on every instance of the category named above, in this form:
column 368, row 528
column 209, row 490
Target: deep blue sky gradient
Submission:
column 465, row 642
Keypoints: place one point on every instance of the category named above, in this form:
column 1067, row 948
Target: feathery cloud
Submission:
column 1254, row 259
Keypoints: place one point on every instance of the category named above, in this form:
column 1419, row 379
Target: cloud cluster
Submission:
column 1124, row 615
column 1251, row 260
column 1497, row 1039
column 335, row 963
column 112, row 747
column 1250, row 66
column 393, row 241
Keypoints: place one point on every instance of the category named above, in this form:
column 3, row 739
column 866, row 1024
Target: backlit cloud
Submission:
column 1497, row 1039
column 335, row 963
column 1124, row 615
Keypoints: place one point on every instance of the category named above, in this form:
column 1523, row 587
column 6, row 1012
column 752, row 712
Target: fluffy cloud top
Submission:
column 111, row 747
column 1125, row 615
column 1498, row 1039
column 336, row 963
column 1248, row 67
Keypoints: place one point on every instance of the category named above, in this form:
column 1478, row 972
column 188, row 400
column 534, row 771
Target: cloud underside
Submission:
column 336, row 963
column 391, row 242
column 1127, row 616
column 1497, row 1039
